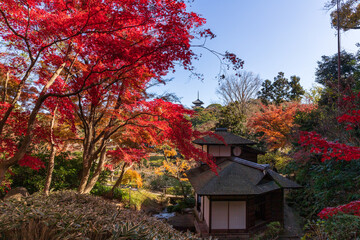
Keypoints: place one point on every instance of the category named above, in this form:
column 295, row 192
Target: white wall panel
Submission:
column 219, row 215
column 214, row 150
column 237, row 215
column 220, row 151
column 206, row 210
column 225, row 151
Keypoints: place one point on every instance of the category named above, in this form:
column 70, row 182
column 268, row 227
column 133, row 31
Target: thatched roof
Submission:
column 237, row 177
column 229, row 138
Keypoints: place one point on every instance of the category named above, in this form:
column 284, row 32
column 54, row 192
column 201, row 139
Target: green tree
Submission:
column 327, row 69
column 296, row 89
column 326, row 74
column 207, row 118
column 281, row 90
column 349, row 14
column 231, row 119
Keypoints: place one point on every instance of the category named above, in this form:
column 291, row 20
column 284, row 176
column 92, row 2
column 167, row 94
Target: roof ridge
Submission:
column 262, row 167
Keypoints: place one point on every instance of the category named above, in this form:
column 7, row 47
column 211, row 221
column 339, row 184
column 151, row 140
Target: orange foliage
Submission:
column 276, row 122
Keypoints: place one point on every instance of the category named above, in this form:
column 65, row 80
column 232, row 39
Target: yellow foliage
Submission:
column 170, row 153
column 174, row 169
column 132, row 177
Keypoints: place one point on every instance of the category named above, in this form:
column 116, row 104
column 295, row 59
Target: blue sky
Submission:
column 270, row 36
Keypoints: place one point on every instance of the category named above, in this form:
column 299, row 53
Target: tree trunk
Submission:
column 99, row 169
column 50, row 169
column 51, row 163
column 6, row 86
column 182, row 189
column 84, row 179
column 3, row 170
column 110, row 194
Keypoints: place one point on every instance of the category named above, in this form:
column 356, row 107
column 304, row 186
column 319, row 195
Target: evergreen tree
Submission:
column 296, row 89
column 281, row 90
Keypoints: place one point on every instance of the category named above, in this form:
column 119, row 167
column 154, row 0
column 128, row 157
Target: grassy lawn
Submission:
column 156, row 161
column 141, row 199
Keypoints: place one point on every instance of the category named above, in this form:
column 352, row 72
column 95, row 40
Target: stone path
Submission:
column 292, row 226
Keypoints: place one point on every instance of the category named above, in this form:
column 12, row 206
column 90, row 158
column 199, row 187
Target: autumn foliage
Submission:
column 328, row 149
column 335, row 150
column 318, row 144
column 88, row 63
column 352, row 208
column 276, row 122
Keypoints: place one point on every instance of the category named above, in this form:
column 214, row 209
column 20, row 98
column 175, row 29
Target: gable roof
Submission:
column 229, row 138
column 237, row 176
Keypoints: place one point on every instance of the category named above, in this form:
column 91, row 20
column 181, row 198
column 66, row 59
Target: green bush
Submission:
column 275, row 159
column 101, row 190
column 66, row 174
column 343, row 226
column 324, row 184
column 181, row 205
column 158, row 183
column 271, row 232
column 68, row 215
column 339, row 227
column 177, row 190
column 156, row 161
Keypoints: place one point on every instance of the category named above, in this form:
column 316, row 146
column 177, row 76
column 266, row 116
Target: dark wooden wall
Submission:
column 277, row 202
column 250, row 156
column 250, row 212
column 274, row 208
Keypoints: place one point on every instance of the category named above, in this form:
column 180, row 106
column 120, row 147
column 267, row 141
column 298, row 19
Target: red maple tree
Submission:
column 315, row 143
column 83, row 56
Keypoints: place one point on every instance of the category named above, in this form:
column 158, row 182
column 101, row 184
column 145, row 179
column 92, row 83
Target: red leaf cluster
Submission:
column 349, row 208
column 31, row 162
column 319, row 145
column 351, row 118
column 127, row 155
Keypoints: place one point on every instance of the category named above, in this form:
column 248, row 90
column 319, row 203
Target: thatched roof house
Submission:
column 244, row 196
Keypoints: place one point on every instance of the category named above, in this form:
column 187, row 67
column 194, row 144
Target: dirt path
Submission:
column 292, row 226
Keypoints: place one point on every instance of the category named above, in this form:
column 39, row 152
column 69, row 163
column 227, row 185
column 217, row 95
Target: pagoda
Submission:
column 198, row 103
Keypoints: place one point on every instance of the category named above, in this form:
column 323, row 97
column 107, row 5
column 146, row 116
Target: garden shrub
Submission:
column 158, row 182
column 65, row 176
column 101, row 190
column 68, row 215
column 338, row 227
column 343, row 226
column 275, row 159
column 271, row 232
column 181, row 205
column 177, row 190
column 324, row 184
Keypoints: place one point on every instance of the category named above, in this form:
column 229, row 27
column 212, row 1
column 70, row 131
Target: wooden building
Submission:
column 244, row 196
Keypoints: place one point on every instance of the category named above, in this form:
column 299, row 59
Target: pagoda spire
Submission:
column 198, row 103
